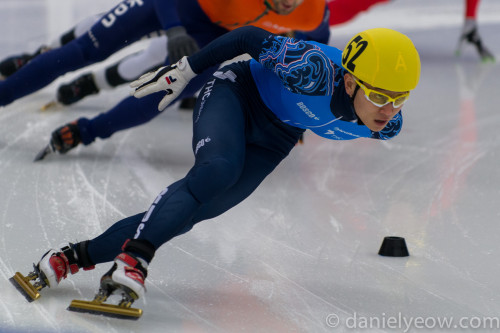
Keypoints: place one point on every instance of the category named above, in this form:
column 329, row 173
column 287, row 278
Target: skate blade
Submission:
column 44, row 152
column 23, row 285
column 487, row 59
column 51, row 105
column 108, row 310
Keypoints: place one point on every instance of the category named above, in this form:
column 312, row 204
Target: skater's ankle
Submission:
column 141, row 249
column 76, row 257
column 469, row 26
column 82, row 256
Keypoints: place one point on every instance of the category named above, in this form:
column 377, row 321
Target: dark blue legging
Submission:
column 237, row 142
column 131, row 112
column 102, row 40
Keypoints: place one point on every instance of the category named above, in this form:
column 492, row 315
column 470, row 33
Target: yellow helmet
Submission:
column 383, row 58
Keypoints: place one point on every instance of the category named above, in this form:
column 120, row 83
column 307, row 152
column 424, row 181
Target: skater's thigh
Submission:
column 259, row 162
column 218, row 123
column 121, row 26
column 218, row 141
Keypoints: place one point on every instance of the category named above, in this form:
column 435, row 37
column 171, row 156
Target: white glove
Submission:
column 173, row 79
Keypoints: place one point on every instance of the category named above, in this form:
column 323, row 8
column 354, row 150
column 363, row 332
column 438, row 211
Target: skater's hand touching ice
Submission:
column 173, row 79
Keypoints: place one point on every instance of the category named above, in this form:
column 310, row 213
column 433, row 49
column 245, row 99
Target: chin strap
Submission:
column 354, row 94
column 352, row 103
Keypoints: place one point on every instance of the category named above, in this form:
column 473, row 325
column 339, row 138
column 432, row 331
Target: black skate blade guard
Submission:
column 23, row 285
column 108, row 310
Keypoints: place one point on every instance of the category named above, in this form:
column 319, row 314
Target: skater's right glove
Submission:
column 173, row 79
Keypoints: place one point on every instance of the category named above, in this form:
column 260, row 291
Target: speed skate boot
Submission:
column 54, row 267
column 126, row 277
column 12, row 64
column 470, row 34
column 77, row 89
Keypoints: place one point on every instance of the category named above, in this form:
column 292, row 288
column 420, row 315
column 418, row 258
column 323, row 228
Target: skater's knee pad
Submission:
column 208, row 179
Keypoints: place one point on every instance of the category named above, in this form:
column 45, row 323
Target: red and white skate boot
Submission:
column 128, row 275
column 52, row 269
column 55, row 265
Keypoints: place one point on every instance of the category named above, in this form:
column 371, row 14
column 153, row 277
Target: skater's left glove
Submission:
column 179, row 44
column 173, row 79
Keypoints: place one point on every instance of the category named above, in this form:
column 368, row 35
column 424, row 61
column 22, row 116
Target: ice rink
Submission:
column 300, row 255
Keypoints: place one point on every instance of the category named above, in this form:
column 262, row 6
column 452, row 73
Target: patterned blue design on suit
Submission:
column 339, row 76
column 391, row 129
column 303, row 68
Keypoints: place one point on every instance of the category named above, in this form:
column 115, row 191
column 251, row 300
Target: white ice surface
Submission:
column 303, row 248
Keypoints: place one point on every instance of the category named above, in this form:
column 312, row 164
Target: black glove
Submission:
column 65, row 138
column 179, row 44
